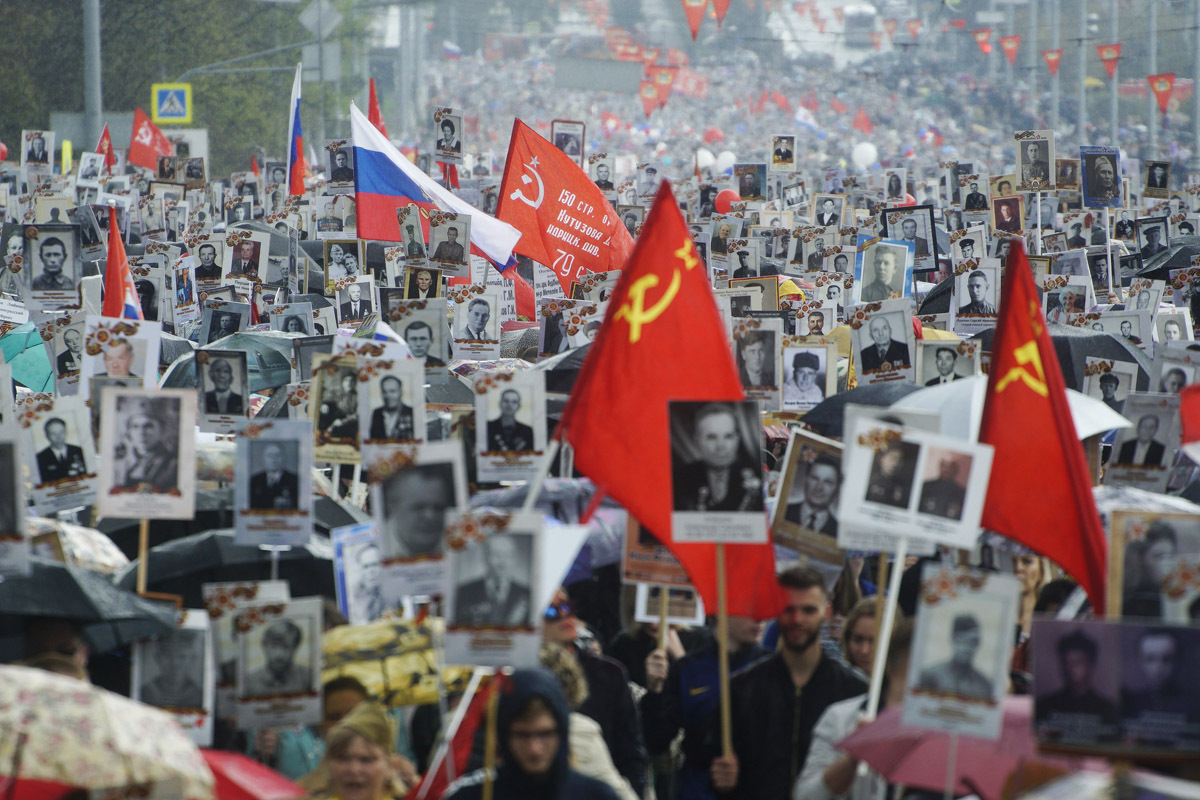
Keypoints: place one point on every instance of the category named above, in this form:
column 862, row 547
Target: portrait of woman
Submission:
column 715, row 454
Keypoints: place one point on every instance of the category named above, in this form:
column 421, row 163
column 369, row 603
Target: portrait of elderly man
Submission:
column 286, row 670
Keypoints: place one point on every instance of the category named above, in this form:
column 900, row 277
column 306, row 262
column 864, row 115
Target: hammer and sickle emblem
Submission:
column 634, row 310
column 1027, row 354
column 525, row 179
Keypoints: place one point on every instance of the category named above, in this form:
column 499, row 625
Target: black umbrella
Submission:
column 1178, row 255
column 937, row 299
column 109, row 616
column 1074, row 346
column 828, row 417
column 181, row 566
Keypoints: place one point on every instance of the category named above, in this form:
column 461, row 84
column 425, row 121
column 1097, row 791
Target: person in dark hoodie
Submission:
column 531, row 736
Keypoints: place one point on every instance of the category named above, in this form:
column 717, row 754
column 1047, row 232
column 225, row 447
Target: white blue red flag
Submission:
column 385, row 180
column 295, row 140
column 120, row 295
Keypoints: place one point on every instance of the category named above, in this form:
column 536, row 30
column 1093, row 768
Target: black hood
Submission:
column 523, row 686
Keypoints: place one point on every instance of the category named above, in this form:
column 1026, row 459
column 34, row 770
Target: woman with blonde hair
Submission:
column 588, row 753
column 357, row 764
column 858, row 635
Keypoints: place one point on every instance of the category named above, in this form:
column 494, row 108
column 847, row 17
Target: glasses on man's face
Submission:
column 559, row 610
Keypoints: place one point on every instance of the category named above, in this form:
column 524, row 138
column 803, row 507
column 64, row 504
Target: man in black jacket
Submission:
column 777, row 701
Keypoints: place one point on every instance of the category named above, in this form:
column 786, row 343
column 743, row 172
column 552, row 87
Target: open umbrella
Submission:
column 1074, row 345
column 109, row 616
column 828, row 416
column 24, row 351
column 917, row 757
column 75, row 544
column 241, row 778
column 268, row 355
column 960, row 404
column 181, row 566
column 66, row 731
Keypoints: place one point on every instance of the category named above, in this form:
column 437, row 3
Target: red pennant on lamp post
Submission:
column 876, row 39
column 1110, row 54
column 648, row 91
column 664, row 79
column 1053, row 58
column 819, row 23
column 1161, row 85
column 719, row 8
column 839, row 14
column 981, row 36
column 889, row 25
column 914, row 27
column 1011, row 45
column 695, row 10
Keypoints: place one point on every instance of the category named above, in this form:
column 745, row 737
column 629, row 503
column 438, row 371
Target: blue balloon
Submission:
column 821, row 135
column 666, row 161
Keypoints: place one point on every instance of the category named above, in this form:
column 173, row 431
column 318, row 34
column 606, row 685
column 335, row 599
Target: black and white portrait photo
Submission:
column 172, row 669
column 1077, row 699
column 829, row 209
column 450, row 242
column 476, row 321
column 806, row 376
column 341, row 164
column 602, row 171
column 146, row 457
column 783, row 153
column 216, row 324
column 1158, row 179
column 422, row 283
column 756, row 354
column 38, row 148
column 305, row 348
column 569, row 138
column 1035, row 159
column 944, row 483
column 1160, row 704
column 882, row 343
column 278, row 657
column 941, row 362
column 510, row 430
column 223, row 376
column 68, row 344
column 355, row 301
column 809, row 495
column 1101, row 177
column 337, row 407
column 977, row 292
column 449, row 136
column 493, row 582
column 1151, row 235
column 391, row 400
column 61, row 455
column 274, row 482
column 426, row 333
column 413, row 507
column 884, row 271
column 893, row 470
column 53, row 258
column 959, row 675
column 715, row 463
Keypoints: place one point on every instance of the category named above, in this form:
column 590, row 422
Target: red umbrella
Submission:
column 242, row 778
column 713, row 135
column 917, row 756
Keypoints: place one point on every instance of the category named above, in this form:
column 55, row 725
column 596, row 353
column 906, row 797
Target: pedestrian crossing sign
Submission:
column 171, row 103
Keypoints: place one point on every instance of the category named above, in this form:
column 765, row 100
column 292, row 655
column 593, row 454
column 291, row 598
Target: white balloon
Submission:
column 725, row 160
column 864, row 155
column 705, row 158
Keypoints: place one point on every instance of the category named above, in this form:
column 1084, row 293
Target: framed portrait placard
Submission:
column 940, row 361
column 492, row 574
column 223, row 383
column 1143, row 454
column 1154, row 566
column 121, row 348
column 422, row 325
column 58, row 451
column 356, row 572
column 757, row 346
column 1035, row 160
column 962, row 643
column 645, row 560
column 221, row 318
column 450, row 242
column 806, row 518
column 222, row 601
column 391, row 401
column 510, row 409
column 476, row 322
column 911, row 482
column 716, row 478
column 53, row 264
column 448, row 130
column 333, row 408
column 684, row 606
column 62, row 335
column 148, row 447
column 174, row 672
column 413, row 488
column 279, row 663
column 273, row 485
column 569, row 137
column 883, row 341
column 809, row 371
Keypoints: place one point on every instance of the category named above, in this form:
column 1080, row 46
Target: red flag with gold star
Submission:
column 1109, row 54
column 662, row 339
column 1161, row 85
column 1040, row 490
column 1011, row 45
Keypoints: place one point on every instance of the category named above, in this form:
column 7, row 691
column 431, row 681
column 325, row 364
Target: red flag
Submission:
column 695, row 9
column 876, row 39
column 862, row 122
column 781, row 101
column 838, row 106
column 1011, row 45
column 120, row 294
column 981, row 36
column 664, row 79
column 1189, row 416
column 810, row 100
column 1039, row 493
column 1053, row 58
column 914, row 27
column 719, row 8
column 1110, row 54
column 1161, row 85
column 373, row 112
column 147, row 142
column 462, row 739
column 889, row 25
column 565, row 222
column 662, row 339
column 648, row 91
column 105, row 146
column 959, row 23
column 254, row 166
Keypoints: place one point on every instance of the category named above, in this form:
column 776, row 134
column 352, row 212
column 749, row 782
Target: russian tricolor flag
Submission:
column 385, row 180
column 120, row 295
column 295, row 140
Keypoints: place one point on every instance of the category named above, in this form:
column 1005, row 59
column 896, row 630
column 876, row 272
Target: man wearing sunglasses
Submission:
column 609, row 701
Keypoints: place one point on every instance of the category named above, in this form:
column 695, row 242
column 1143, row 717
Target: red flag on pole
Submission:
column 463, row 726
column 254, row 166
column 1161, row 85
column 981, row 36
column 1011, row 45
column 648, row 91
column 147, row 142
column 694, row 10
column 914, row 27
column 373, row 112
column 120, row 294
column 889, row 25
column 1110, row 54
column 662, row 339
column 1039, row 493
column 105, row 146
column 862, row 122
column 565, row 223
column 1053, row 58
column 838, row 106
column 720, row 7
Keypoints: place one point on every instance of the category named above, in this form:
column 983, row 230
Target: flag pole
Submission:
column 535, row 486
column 723, row 654
column 663, row 591
column 1108, row 247
column 489, row 741
column 885, row 629
column 143, row 554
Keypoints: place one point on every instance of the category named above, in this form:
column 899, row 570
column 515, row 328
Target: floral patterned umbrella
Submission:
column 70, row 732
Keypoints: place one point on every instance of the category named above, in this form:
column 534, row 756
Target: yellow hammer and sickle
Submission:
column 635, row 312
column 687, row 253
column 1026, row 354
